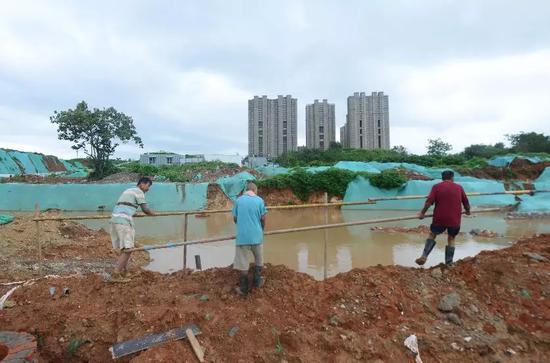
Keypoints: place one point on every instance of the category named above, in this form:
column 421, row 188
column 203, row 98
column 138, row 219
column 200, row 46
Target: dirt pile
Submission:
column 498, row 311
column 38, row 179
column 287, row 197
column 67, row 247
column 519, row 169
column 123, row 177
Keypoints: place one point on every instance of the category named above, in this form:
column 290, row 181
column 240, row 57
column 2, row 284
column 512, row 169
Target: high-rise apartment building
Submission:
column 344, row 137
column 320, row 125
column 272, row 126
column 367, row 122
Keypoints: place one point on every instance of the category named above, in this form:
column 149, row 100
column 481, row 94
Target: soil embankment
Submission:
column 499, row 312
column 67, row 247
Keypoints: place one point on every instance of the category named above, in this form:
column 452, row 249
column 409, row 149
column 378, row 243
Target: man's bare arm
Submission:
column 146, row 210
column 427, row 206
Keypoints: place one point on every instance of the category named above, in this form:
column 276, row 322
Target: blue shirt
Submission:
column 249, row 210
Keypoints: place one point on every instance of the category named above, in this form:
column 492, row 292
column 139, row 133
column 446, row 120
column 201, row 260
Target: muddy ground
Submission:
column 67, row 247
column 503, row 313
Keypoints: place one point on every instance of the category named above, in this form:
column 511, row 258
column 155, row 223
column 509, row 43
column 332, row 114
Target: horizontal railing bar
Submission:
column 297, row 229
column 314, row 205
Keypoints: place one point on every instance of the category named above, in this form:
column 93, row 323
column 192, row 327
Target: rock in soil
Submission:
column 449, row 302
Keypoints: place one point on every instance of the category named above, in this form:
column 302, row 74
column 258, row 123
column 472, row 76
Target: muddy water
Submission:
column 347, row 247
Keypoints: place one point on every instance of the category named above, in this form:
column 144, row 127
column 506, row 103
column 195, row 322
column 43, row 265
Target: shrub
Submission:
column 388, row 179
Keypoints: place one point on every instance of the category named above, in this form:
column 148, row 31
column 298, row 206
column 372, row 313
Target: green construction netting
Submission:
column 232, row 186
column 5, row 219
column 8, row 166
column 377, row 167
column 504, row 161
column 93, row 197
column 14, row 163
column 361, row 190
column 540, row 202
column 373, row 167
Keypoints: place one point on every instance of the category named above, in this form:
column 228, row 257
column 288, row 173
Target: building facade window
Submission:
column 152, row 160
column 169, row 160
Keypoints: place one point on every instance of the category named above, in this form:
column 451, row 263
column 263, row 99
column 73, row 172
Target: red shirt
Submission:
column 448, row 198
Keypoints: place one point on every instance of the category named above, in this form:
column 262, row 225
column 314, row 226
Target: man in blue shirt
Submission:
column 249, row 216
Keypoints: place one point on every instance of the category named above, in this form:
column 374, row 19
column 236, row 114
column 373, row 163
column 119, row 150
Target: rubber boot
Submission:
column 428, row 247
column 242, row 289
column 449, row 254
column 259, row 280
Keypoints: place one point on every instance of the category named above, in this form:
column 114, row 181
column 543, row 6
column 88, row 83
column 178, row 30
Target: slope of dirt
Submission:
column 272, row 197
column 519, row 170
column 287, row 197
column 216, row 198
column 360, row 316
column 67, row 247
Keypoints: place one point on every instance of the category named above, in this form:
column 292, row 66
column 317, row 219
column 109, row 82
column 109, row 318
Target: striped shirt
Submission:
column 127, row 205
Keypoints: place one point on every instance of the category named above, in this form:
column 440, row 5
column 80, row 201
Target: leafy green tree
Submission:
column 484, row 151
column 529, row 142
column 437, row 147
column 97, row 132
column 400, row 149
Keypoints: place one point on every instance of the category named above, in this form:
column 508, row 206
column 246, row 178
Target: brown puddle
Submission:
column 347, row 247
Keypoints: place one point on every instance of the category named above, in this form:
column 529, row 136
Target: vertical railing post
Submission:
column 185, row 222
column 326, row 240
column 38, row 239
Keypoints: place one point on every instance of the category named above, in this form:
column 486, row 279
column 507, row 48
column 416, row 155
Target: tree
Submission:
column 437, row 147
column 335, row 145
column 97, row 132
column 484, row 151
column 529, row 142
column 400, row 149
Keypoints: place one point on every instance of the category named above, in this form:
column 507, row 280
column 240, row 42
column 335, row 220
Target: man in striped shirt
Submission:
column 122, row 224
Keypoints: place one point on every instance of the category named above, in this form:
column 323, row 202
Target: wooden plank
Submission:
column 148, row 341
column 195, row 345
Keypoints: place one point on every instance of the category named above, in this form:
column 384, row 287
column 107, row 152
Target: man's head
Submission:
column 250, row 186
column 448, row 175
column 144, row 183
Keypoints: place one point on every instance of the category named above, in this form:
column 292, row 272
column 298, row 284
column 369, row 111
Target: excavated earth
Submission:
column 501, row 313
column 67, row 247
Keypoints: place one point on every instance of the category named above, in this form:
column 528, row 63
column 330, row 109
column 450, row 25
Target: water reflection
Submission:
column 347, row 247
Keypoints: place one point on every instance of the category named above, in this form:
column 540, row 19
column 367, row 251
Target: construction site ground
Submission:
column 364, row 315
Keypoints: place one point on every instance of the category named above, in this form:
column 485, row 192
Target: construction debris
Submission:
column 146, row 342
column 195, row 345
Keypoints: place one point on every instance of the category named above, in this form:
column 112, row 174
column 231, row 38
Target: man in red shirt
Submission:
column 449, row 199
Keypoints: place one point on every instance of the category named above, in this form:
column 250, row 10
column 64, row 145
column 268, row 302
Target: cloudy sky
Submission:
column 465, row 71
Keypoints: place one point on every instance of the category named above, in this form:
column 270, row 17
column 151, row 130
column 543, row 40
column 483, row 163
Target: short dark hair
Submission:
column 447, row 175
column 145, row 180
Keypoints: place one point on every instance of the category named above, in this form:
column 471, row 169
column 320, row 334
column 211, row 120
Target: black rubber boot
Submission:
column 428, row 247
column 242, row 289
column 259, row 280
column 449, row 254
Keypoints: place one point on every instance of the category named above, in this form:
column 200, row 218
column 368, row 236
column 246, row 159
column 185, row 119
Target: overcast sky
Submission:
column 464, row 71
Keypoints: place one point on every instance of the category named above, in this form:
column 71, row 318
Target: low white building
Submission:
column 167, row 158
